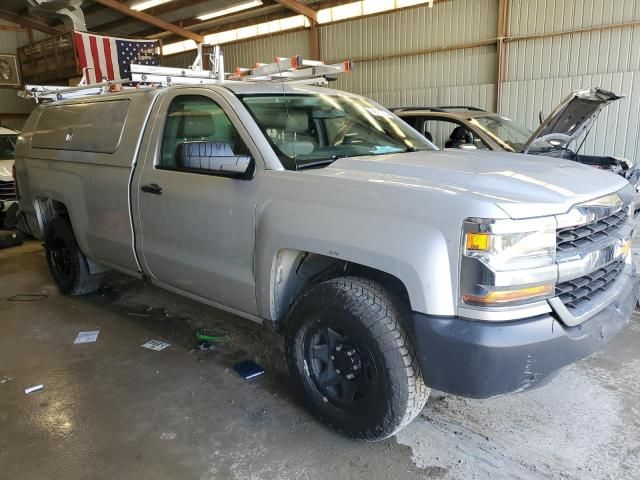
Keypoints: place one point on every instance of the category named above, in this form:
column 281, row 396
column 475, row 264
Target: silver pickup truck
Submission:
column 390, row 267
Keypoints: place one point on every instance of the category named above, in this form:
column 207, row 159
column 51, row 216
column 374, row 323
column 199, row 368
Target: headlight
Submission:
column 508, row 262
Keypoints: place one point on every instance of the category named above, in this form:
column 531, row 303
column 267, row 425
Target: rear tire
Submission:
column 350, row 354
column 67, row 264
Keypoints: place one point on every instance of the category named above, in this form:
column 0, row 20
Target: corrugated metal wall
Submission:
column 540, row 72
column 10, row 103
column 464, row 76
column 445, row 78
column 265, row 49
column 247, row 53
column 449, row 77
column 397, row 65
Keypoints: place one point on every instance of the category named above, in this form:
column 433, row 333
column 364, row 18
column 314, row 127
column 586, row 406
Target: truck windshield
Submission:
column 313, row 129
column 513, row 134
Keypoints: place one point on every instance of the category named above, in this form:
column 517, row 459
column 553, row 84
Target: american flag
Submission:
column 109, row 57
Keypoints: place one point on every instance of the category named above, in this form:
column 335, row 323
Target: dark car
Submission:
column 473, row 128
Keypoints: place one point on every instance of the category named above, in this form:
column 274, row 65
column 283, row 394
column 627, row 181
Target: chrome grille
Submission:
column 7, row 190
column 576, row 237
column 575, row 292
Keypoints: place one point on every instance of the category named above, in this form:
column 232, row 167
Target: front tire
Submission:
column 350, row 354
column 67, row 264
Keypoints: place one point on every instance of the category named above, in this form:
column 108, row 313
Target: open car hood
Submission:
column 574, row 116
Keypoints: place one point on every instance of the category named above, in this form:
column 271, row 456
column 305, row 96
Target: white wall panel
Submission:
column 454, row 77
column 462, row 77
column 573, row 55
column 533, row 17
column 265, row 49
column 419, row 28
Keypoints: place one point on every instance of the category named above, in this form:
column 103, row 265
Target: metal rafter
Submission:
column 151, row 20
column 190, row 22
column 272, row 12
column 155, row 11
column 28, row 21
column 301, row 9
column 273, row 9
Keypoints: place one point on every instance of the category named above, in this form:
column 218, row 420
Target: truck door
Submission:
column 195, row 224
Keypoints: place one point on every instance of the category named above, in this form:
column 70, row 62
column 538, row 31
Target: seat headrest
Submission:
column 196, row 125
column 200, row 155
column 293, row 148
column 459, row 133
column 296, row 121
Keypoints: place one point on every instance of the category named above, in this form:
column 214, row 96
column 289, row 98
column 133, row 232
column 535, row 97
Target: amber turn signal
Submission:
column 507, row 296
column 478, row 241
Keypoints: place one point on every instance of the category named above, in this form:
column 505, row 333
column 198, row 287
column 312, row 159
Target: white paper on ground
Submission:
column 156, row 345
column 87, row 337
column 35, row 388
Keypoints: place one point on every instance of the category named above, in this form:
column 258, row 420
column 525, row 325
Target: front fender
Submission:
column 414, row 252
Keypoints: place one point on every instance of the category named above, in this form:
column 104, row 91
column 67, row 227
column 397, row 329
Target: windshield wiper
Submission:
column 320, row 163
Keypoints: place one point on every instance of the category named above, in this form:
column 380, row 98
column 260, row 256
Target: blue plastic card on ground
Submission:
column 248, row 369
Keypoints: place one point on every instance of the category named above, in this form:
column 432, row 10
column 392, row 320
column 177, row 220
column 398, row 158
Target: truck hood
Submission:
column 574, row 116
column 521, row 185
column 6, row 174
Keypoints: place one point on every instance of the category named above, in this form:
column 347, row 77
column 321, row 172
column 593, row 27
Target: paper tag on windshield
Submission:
column 378, row 112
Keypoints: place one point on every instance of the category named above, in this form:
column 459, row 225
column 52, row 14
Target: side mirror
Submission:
column 540, row 117
column 214, row 158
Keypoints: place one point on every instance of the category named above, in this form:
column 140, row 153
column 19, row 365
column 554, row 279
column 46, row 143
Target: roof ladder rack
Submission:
column 167, row 76
column 292, row 69
column 56, row 93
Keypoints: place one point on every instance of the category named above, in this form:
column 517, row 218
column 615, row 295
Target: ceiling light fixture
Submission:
column 148, row 4
column 233, row 9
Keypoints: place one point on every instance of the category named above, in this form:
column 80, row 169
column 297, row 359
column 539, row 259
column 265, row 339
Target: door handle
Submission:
column 152, row 188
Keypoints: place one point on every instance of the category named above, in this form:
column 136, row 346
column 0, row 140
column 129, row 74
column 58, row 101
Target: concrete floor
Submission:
column 112, row 409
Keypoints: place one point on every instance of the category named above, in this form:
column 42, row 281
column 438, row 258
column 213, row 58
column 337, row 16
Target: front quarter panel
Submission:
column 410, row 233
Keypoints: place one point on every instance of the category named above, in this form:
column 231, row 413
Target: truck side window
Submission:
column 195, row 118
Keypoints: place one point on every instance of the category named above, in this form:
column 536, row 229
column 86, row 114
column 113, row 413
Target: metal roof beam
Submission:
column 151, row 20
column 28, row 21
column 155, row 11
column 217, row 28
column 300, row 8
column 228, row 22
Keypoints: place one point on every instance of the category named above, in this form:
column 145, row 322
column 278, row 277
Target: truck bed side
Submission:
column 76, row 158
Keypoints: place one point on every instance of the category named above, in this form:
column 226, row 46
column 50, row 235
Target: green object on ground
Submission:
column 210, row 338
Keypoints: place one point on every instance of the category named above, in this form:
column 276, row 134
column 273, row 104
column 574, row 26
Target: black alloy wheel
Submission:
column 341, row 368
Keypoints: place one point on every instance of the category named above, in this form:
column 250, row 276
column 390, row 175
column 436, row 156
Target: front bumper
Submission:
column 478, row 359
